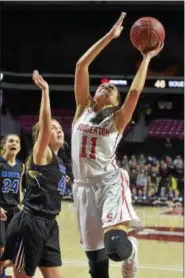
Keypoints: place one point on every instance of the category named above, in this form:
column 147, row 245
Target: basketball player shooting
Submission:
column 101, row 189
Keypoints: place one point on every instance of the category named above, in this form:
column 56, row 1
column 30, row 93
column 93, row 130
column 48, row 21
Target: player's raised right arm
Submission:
column 45, row 120
column 124, row 115
column 82, row 93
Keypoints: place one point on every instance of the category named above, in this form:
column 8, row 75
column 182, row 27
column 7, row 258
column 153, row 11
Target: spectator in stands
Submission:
column 142, row 178
column 170, row 194
column 162, row 197
column 153, row 182
column 168, row 143
column 140, row 195
column 147, row 168
column 177, row 196
column 125, row 163
column 176, row 203
column 133, row 177
column 141, row 160
column 163, row 184
column 179, row 164
column 149, row 160
column 169, row 162
column 151, row 195
column 134, row 194
column 153, row 176
column 133, row 162
column 150, row 177
column 145, row 189
column 181, row 184
column 168, row 146
column 173, row 183
column 164, row 173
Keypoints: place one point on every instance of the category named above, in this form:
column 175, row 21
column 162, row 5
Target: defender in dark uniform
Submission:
column 11, row 171
column 33, row 235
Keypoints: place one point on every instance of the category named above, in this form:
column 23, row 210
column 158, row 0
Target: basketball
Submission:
column 146, row 33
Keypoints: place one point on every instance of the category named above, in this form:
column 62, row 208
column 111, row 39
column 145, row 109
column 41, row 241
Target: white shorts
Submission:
column 102, row 203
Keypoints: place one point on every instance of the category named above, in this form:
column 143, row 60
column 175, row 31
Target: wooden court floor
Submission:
column 160, row 245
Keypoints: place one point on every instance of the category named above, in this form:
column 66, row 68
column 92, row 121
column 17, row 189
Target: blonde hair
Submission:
column 35, row 134
column 36, row 129
column 1, row 148
column 28, row 162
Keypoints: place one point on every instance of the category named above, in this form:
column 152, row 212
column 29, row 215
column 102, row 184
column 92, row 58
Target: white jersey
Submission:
column 93, row 146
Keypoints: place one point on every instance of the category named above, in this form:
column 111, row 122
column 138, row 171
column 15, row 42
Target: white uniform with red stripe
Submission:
column 93, row 146
column 101, row 189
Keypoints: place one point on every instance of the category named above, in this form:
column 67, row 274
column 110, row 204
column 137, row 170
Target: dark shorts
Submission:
column 31, row 242
column 4, row 224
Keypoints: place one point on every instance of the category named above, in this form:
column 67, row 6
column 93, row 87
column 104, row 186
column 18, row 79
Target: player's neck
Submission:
column 55, row 148
column 55, row 151
column 10, row 159
column 101, row 107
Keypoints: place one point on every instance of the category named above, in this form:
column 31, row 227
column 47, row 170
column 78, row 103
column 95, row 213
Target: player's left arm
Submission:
column 20, row 186
column 124, row 115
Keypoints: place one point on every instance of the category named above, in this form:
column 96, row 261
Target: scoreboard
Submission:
column 150, row 82
column 65, row 82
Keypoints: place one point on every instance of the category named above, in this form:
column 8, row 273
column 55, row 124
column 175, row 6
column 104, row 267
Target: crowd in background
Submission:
column 153, row 181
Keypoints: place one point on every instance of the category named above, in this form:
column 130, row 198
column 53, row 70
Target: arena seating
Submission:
column 63, row 116
column 161, row 128
column 167, row 128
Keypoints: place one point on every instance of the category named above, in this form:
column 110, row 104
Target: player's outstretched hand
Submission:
column 118, row 27
column 154, row 52
column 39, row 81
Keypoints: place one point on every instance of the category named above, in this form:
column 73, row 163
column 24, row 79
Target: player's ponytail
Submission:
column 102, row 114
column 28, row 162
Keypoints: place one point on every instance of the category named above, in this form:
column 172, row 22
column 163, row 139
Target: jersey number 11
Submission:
column 93, row 141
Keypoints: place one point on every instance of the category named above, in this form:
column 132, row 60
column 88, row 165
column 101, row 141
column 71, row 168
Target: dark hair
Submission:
column 102, row 114
column 3, row 141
